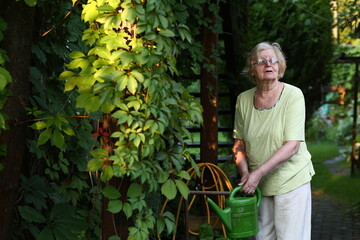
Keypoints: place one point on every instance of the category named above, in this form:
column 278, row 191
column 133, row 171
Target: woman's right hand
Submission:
column 250, row 182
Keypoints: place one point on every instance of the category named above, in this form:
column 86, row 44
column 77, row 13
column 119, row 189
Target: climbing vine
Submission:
column 126, row 76
column 122, row 102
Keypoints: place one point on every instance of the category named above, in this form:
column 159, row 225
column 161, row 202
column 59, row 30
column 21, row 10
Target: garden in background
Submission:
column 98, row 99
column 329, row 135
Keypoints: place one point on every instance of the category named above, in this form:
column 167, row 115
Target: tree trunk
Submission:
column 17, row 43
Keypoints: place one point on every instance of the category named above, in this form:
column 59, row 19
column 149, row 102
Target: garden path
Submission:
column 331, row 220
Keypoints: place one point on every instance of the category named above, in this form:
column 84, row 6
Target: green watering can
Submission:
column 240, row 215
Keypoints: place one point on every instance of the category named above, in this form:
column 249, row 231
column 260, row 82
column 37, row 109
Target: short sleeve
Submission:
column 295, row 118
column 238, row 121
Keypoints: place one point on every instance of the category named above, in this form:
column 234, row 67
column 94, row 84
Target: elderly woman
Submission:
column 269, row 148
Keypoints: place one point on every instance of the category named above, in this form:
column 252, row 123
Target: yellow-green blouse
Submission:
column 266, row 130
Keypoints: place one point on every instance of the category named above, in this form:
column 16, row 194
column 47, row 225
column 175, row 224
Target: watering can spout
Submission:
column 224, row 215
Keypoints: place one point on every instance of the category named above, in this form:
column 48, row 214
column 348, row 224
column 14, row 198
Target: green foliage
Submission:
column 5, row 79
column 61, row 222
column 304, row 31
column 53, row 128
column 166, row 222
column 348, row 20
column 333, row 122
column 126, row 76
column 58, row 220
column 343, row 74
column 31, row 3
column 130, row 79
column 206, row 232
column 56, row 179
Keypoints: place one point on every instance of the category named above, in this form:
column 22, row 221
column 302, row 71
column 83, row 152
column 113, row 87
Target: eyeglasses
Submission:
column 263, row 62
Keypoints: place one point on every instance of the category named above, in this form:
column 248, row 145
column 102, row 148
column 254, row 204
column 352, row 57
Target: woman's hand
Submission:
column 250, row 182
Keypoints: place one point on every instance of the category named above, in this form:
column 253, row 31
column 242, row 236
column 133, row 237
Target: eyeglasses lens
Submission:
column 263, row 62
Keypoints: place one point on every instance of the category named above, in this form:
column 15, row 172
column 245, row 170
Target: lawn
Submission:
column 337, row 184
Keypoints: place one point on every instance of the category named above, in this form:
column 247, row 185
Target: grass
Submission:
column 341, row 187
column 322, row 151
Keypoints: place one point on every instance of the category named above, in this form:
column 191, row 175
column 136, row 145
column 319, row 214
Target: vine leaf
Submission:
column 132, row 84
column 129, row 14
column 31, row 214
column 61, row 210
column 169, row 189
column 95, row 164
column 76, row 54
column 115, row 206
column 99, row 155
column 163, row 176
column 114, row 238
column 44, row 136
column 111, row 192
column 167, row 33
column 88, row 101
column 3, row 82
column 183, row 189
column 138, row 76
column 169, row 219
column 127, row 209
column 160, row 225
column 90, row 13
column 31, row 3
column 45, row 234
column 69, row 131
column 105, row 8
column 107, row 173
column 39, row 125
column 135, row 190
column 183, row 174
column 58, row 139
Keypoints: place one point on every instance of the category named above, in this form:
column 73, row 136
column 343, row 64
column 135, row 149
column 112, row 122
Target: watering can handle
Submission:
column 258, row 194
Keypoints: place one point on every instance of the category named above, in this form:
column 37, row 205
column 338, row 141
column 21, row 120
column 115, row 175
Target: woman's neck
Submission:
column 266, row 97
column 265, row 88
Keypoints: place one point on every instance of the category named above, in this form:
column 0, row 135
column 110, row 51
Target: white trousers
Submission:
column 287, row 216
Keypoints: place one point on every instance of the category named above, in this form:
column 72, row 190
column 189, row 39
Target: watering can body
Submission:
column 240, row 217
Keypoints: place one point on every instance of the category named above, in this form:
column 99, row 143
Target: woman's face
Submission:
column 266, row 67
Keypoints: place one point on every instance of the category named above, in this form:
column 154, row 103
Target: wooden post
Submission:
column 113, row 224
column 354, row 129
column 17, row 42
column 209, row 95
